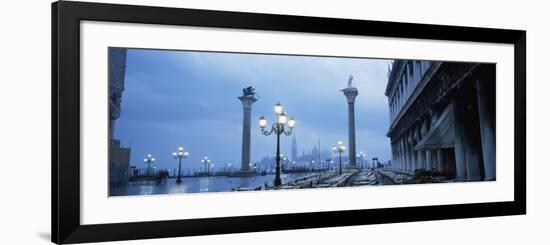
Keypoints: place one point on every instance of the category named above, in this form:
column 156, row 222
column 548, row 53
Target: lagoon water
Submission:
column 197, row 184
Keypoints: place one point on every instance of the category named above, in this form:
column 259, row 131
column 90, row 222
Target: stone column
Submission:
column 395, row 159
column 440, row 160
column 427, row 154
column 472, row 151
column 459, row 133
column 403, row 156
column 408, row 153
column 401, row 90
column 247, row 102
column 399, row 156
column 417, row 71
column 398, row 159
column 411, row 155
column 350, row 94
column 429, row 160
column 395, row 162
column 420, row 161
column 403, row 153
column 411, row 151
column 473, row 171
column 487, row 129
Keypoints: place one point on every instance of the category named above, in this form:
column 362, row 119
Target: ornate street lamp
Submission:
column 340, row 148
column 149, row 159
column 360, row 156
column 278, row 128
column 180, row 154
column 206, row 163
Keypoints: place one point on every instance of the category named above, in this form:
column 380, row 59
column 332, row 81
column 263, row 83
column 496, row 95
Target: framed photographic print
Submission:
column 177, row 122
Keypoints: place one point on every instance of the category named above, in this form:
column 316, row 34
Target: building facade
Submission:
column 119, row 156
column 443, row 118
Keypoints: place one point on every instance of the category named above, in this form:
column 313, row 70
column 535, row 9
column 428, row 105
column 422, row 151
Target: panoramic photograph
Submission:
column 186, row 121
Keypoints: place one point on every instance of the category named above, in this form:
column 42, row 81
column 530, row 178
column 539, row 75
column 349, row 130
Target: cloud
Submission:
column 190, row 98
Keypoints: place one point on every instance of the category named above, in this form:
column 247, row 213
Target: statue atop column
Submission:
column 249, row 92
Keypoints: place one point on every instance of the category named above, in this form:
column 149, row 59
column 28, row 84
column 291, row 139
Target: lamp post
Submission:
column 206, row 163
column 278, row 128
column 180, row 154
column 284, row 163
column 328, row 161
column 360, row 156
column 312, row 165
column 149, row 159
column 340, row 148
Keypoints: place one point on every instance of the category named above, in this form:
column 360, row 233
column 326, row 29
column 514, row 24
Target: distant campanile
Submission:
column 294, row 149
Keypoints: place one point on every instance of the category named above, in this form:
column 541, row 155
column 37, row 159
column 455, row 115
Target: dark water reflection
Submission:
column 197, row 184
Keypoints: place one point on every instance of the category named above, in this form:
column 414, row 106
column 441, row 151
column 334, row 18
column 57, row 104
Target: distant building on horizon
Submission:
column 306, row 157
column 294, row 155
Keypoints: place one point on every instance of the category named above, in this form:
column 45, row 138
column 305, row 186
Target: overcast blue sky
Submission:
column 190, row 98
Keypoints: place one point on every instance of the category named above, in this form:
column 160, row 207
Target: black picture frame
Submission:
column 66, row 18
